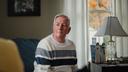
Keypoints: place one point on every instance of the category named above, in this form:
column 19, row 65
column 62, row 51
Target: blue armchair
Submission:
column 27, row 49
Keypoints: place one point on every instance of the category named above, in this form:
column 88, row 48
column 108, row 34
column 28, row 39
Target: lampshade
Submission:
column 111, row 26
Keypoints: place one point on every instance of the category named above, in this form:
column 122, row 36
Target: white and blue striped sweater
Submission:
column 51, row 56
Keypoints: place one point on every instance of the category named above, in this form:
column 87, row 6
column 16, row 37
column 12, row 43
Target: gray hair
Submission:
column 62, row 15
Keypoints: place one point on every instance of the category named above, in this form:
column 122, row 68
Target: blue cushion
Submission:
column 27, row 49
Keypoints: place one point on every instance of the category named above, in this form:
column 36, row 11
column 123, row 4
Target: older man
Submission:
column 56, row 53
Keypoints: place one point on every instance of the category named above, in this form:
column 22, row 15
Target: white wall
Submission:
column 29, row 26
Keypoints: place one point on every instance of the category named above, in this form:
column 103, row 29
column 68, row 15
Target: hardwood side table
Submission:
column 108, row 67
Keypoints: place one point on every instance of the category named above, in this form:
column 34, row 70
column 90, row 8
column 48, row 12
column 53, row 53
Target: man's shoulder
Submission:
column 44, row 42
column 69, row 41
column 45, row 39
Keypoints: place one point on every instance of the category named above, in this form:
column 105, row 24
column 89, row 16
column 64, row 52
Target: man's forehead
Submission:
column 61, row 18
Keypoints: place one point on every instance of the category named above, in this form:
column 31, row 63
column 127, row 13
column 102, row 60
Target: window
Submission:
column 83, row 14
column 98, row 10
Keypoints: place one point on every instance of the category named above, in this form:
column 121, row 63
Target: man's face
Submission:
column 61, row 27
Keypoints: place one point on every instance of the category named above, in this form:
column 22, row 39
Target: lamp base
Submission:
column 111, row 56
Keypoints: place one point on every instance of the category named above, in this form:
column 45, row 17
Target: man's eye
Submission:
column 57, row 24
column 64, row 25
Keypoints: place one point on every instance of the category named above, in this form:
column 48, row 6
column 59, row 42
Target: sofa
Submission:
column 27, row 48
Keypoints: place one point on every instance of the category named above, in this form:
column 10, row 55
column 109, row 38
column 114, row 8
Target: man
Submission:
column 56, row 53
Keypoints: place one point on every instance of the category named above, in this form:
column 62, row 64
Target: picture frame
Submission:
column 23, row 7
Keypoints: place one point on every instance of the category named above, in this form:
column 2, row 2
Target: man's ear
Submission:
column 69, row 30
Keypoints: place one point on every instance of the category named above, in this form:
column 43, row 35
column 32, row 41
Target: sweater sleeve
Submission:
column 41, row 68
column 42, row 57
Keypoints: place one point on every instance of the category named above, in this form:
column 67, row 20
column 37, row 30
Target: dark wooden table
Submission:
column 108, row 67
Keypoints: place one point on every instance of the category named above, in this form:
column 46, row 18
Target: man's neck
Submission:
column 59, row 39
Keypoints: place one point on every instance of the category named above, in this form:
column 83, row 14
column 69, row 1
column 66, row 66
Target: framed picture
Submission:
column 23, row 7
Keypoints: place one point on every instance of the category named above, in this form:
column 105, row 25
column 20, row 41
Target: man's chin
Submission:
column 60, row 35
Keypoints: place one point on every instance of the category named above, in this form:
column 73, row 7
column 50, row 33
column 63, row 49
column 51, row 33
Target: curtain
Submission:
column 77, row 11
column 121, row 11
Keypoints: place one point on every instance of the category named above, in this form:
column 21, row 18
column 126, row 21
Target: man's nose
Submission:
column 61, row 26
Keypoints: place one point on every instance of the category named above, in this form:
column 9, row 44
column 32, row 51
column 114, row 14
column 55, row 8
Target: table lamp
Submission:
column 111, row 27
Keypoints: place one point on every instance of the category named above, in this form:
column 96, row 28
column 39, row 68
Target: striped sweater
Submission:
column 52, row 56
